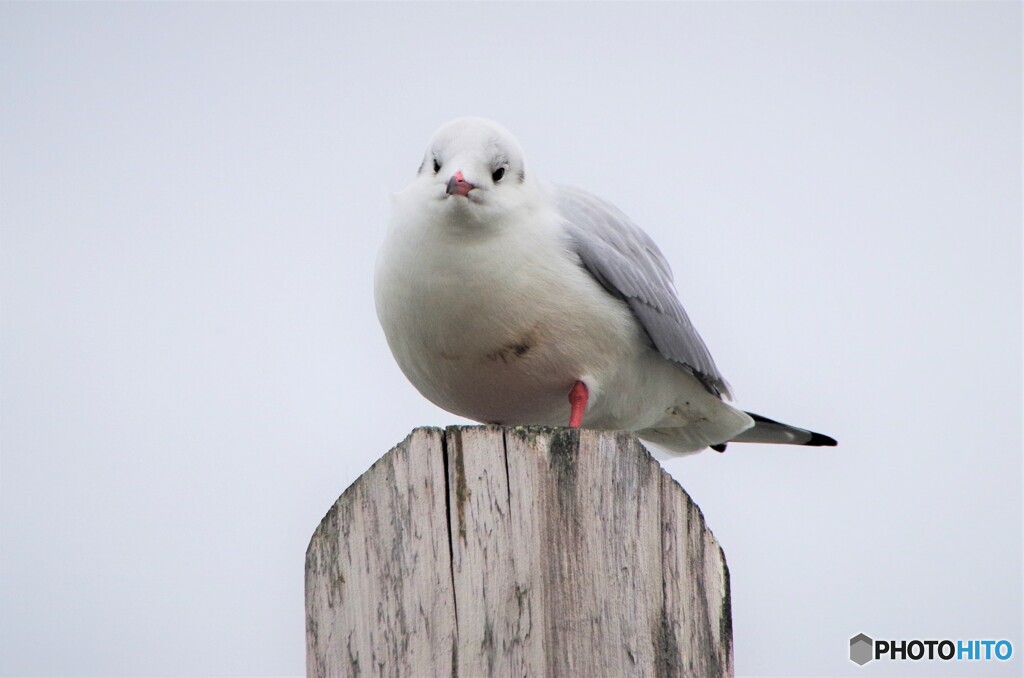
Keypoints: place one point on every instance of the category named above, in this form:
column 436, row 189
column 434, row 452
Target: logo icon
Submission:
column 861, row 649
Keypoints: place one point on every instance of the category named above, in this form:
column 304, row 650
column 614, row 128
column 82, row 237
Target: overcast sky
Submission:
column 191, row 369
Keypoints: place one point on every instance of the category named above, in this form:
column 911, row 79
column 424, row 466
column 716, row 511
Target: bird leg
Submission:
column 578, row 401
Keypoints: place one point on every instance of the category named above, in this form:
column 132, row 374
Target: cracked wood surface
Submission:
column 480, row 551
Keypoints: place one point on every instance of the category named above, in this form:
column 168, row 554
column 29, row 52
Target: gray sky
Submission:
column 192, row 196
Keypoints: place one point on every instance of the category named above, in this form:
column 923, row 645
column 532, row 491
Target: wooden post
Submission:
column 482, row 551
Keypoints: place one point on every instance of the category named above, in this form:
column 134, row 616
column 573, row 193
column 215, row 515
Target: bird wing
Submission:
column 630, row 267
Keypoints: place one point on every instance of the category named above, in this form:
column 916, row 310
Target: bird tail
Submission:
column 767, row 430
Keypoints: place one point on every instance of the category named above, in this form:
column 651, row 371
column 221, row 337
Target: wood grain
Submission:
column 483, row 551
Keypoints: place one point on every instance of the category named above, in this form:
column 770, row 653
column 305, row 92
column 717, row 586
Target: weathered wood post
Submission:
column 481, row 551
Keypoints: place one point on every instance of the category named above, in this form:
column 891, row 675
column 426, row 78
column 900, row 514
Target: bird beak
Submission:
column 458, row 185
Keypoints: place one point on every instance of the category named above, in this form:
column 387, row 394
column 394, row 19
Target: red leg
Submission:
column 578, row 401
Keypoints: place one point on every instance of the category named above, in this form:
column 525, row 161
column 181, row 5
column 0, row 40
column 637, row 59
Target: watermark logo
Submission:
column 864, row 649
column 861, row 649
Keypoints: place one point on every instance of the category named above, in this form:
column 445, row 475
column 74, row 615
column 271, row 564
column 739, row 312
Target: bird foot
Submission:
column 578, row 401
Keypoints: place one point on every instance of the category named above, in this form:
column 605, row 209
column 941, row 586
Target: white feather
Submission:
column 491, row 314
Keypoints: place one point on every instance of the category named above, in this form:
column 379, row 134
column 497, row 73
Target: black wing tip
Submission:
column 817, row 439
column 821, row 440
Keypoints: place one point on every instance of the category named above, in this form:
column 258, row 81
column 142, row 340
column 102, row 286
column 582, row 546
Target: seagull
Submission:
column 511, row 301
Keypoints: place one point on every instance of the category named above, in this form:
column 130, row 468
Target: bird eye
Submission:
column 437, row 166
column 498, row 174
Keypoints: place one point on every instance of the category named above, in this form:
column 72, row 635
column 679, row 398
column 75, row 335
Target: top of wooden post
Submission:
column 527, row 551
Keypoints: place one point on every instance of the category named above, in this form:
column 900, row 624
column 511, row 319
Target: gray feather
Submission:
column 630, row 266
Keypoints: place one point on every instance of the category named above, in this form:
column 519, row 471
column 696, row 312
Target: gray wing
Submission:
column 630, row 266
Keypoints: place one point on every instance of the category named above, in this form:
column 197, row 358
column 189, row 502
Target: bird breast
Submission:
column 497, row 325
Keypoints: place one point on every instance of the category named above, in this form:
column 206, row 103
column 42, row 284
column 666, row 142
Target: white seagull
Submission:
column 501, row 296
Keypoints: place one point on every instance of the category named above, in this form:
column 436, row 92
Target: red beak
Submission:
column 458, row 185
